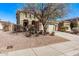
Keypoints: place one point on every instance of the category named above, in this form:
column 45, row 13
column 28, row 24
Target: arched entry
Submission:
column 25, row 24
column 33, row 22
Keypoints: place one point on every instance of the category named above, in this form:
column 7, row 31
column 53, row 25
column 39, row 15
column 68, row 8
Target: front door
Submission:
column 25, row 24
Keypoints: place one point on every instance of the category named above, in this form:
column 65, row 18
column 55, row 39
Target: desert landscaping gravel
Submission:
column 11, row 41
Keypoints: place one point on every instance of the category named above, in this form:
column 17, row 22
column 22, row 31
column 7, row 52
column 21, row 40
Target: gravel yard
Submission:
column 19, row 41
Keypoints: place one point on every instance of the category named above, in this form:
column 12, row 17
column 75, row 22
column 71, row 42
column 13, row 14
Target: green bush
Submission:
column 63, row 29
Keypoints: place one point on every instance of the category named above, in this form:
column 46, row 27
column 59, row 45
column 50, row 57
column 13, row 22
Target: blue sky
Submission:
column 74, row 11
column 8, row 11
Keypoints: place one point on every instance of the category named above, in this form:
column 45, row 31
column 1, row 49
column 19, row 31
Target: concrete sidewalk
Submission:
column 68, row 48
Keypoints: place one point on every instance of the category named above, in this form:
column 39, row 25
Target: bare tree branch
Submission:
column 48, row 10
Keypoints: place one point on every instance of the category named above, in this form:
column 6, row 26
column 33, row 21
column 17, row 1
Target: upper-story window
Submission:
column 30, row 15
column 25, row 14
column 34, row 16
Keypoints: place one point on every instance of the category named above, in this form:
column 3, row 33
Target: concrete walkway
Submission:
column 68, row 48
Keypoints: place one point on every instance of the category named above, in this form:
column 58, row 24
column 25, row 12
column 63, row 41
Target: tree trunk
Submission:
column 44, row 25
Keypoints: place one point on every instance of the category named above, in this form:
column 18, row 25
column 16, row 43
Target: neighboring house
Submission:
column 75, row 22
column 1, row 26
column 64, row 25
column 69, row 24
column 6, row 26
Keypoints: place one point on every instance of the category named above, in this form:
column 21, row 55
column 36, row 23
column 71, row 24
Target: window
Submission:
column 34, row 16
column 25, row 14
column 25, row 23
column 30, row 15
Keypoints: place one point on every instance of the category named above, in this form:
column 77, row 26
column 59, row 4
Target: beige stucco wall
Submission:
column 22, row 17
column 78, row 23
column 67, row 24
column 1, row 26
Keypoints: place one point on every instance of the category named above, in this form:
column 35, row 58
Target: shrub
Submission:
column 63, row 29
column 52, row 34
column 27, row 34
column 75, row 30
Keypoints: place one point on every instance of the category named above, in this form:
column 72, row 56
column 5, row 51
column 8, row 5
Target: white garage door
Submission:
column 1, row 27
column 51, row 28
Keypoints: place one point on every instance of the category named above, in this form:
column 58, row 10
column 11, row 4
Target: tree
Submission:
column 72, row 25
column 45, row 11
